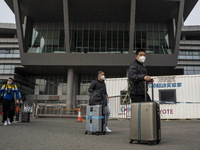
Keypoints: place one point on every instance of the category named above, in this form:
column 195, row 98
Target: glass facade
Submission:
column 47, row 37
column 153, row 37
column 190, row 57
column 57, row 84
column 189, row 70
column 90, row 37
column 8, row 68
column 99, row 37
column 84, row 84
column 49, row 85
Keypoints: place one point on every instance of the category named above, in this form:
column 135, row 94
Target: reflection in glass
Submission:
column 51, row 85
column 47, row 37
column 152, row 37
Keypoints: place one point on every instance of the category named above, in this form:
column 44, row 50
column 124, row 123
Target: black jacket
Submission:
column 98, row 93
column 136, row 74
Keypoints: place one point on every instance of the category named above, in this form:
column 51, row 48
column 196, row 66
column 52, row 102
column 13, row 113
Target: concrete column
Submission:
column 75, row 90
column 66, row 24
column 18, row 25
column 179, row 26
column 132, row 26
column 70, row 80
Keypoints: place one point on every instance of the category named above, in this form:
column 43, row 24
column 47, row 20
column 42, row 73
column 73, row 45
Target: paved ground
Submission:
column 67, row 134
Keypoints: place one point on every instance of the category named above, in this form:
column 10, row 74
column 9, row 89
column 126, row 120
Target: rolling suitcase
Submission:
column 95, row 119
column 145, row 122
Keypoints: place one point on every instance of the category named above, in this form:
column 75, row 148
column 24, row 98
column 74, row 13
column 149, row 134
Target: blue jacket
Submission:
column 13, row 90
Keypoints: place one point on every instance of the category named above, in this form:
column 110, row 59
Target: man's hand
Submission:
column 17, row 101
column 107, row 98
column 147, row 78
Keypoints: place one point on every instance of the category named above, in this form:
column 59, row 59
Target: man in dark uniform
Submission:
column 137, row 76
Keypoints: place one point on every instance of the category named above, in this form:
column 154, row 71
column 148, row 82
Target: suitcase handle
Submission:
column 145, row 90
column 26, row 107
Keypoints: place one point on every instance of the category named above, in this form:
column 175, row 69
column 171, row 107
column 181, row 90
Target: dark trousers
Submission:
column 139, row 98
column 8, row 109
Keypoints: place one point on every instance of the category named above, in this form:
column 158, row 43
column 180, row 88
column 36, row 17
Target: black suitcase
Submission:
column 25, row 116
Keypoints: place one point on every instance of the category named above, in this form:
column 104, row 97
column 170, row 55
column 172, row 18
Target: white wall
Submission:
column 187, row 90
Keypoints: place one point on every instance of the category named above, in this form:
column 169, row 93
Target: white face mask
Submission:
column 142, row 59
column 103, row 78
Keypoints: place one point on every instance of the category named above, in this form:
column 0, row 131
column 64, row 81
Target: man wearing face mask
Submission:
column 8, row 92
column 137, row 75
column 100, row 86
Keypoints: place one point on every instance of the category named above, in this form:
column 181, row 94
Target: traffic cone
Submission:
column 79, row 119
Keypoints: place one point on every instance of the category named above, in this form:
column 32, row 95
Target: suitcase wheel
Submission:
column 104, row 132
column 150, row 143
column 158, row 142
column 86, row 132
column 131, row 141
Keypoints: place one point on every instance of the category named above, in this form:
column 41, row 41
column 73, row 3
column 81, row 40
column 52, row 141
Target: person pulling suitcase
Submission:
column 145, row 114
column 99, row 96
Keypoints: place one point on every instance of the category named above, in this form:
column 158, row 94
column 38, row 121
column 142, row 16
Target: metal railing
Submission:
column 52, row 110
column 120, row 107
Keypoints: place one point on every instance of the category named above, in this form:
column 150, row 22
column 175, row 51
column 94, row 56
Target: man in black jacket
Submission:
column 101, row 97
column 137, row 76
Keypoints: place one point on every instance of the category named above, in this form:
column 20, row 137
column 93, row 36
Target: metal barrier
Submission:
column 119, row 107
column 55, row 111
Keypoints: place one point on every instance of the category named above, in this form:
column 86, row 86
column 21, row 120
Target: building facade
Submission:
column 9, row 50
column 63, row 43
column 10, row 61
column 189, row 50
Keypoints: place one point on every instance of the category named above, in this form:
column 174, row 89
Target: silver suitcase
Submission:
column 95, row 120
column 145, row 122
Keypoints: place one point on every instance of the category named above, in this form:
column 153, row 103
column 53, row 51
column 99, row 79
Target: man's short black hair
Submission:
column 99, row 72
column 11, row 78
column 140, row 50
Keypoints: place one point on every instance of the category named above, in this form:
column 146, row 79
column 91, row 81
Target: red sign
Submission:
column 167, row 111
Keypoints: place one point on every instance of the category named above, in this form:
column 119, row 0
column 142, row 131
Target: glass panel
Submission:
column 154, row 38
column 64, row 89
column 99, row 37
column 47, row 37
column 51, row 85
